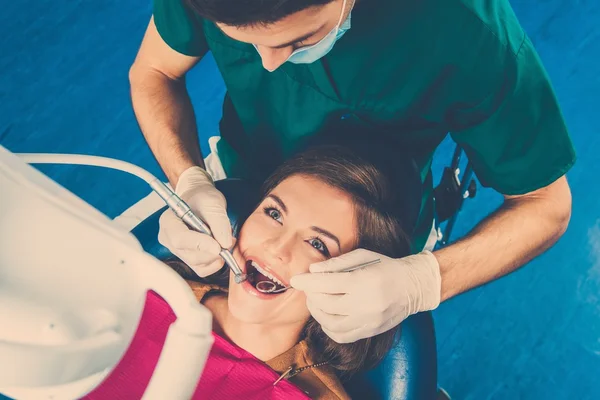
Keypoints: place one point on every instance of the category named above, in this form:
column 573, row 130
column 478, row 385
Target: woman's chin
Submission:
column 251, row 312
column 278, row 309
column 251, row 307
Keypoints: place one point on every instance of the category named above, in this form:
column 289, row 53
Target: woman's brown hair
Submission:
column 386, row 192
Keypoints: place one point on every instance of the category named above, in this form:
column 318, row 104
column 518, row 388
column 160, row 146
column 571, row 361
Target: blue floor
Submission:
column 533, row 335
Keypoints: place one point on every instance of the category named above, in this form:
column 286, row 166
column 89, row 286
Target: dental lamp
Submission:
column 72, row 290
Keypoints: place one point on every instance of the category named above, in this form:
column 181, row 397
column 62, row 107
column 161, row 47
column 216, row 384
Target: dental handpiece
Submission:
column 195, row 223
column 175, row 203
column 184, row 212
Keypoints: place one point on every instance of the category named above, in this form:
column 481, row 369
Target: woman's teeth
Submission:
column 266, row 273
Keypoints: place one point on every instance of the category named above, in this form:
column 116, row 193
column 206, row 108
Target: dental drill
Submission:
column 174, row 202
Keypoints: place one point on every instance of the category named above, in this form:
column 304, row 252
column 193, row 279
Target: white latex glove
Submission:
column 199, row 251
column 363, row 303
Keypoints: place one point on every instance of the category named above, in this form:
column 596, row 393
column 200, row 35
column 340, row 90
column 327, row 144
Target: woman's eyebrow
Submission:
column 278, row 201
column 328, row 234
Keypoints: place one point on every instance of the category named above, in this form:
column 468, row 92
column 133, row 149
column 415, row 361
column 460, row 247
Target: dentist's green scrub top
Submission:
column 414, row 71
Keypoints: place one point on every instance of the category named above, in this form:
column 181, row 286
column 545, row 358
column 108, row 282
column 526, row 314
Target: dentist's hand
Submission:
column 363, row 303
column 199, row 251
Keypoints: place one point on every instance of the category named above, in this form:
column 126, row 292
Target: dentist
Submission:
column 412, row 71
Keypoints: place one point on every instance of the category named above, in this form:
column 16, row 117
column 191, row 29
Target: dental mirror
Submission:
column 269, row 287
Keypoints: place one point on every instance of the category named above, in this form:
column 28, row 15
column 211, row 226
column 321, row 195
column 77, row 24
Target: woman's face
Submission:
column 301, row 222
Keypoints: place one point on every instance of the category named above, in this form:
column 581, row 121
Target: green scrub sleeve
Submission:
column 180, row 27
column 520, row 143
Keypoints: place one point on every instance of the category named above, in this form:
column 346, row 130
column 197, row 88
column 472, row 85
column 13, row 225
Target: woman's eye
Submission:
column 273, row 213
column 319, row 246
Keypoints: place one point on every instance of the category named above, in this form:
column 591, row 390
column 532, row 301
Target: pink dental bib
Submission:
column 230, row 371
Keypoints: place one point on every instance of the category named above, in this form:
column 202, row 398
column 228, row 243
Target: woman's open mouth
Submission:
column 257, row 274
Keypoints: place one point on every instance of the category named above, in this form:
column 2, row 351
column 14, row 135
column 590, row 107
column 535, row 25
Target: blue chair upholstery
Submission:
column 409, row 371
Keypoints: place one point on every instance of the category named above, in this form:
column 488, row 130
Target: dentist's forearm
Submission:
column 521, row 229
column 166, row 117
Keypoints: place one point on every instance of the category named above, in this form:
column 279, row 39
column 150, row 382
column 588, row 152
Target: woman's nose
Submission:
column 280, row 247
column 273, row 58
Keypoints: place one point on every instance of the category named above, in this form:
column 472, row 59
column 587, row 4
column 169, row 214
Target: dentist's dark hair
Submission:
column 247, row 13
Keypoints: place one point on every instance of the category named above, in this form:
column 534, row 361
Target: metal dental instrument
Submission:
column 195, row 223
column 269, row 287
column 175, row 203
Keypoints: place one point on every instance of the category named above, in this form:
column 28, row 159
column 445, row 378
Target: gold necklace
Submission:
column 290, row 372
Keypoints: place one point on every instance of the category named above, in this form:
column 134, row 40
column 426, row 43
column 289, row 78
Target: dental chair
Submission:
column 409, row 371
column 451, row 193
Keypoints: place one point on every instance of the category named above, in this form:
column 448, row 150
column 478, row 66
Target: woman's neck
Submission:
column 264, row 341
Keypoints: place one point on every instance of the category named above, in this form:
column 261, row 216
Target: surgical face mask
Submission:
column 310, row 54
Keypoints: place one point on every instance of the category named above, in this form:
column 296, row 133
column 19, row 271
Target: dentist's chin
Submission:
column 270, row 67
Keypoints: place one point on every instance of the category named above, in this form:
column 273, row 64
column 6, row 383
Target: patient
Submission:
column 323, row 203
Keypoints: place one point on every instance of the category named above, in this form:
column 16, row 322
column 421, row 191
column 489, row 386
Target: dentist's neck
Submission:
column 264, row 341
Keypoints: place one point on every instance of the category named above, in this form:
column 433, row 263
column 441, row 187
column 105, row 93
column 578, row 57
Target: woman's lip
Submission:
column 249, row 288
column 269, row 270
